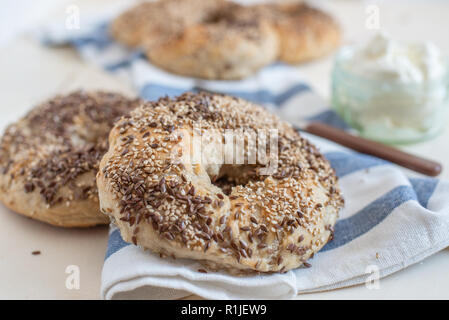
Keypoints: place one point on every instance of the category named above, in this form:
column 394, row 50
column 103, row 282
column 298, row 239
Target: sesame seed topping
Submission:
column 238, row 211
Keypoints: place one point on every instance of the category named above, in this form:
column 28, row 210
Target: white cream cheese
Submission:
column 382, row 58
column 391, row 91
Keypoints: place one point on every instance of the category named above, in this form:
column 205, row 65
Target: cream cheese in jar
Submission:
column 391, row 91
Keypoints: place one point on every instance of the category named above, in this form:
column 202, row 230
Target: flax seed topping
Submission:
column 231, row 215
column 52, row 154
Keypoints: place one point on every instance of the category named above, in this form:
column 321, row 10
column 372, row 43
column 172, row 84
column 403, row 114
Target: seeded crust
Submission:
column 229, row 217
column 204, row 39
column 229, row 44
column 305, row 33
column 219, row 39
column 151, row 21
column 49, row 158
column 132, row 26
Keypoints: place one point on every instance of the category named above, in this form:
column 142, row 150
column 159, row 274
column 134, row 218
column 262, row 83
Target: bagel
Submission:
column 150, row 21
column 229, row 43
column 229, row 215
column 132, row 26
column 305, row 33
column 220, row 39
column 204, row 39
column 49, row 158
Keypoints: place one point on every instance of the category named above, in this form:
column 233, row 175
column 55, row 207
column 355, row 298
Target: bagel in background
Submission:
column 229, row 216
column 222, row 40
column 305, row 33
column 227, row 44
column 153, row 21
column 49, row 158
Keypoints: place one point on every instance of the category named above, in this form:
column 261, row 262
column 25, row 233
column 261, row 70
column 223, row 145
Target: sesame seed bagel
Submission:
column 151, row 21
column 130, row 27
column 304, row 32
column 177, row 197
column 49, row 158
column 204, row 39
column 230, row 43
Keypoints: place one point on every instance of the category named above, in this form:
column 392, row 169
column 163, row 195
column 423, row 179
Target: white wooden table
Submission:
column 31, row 73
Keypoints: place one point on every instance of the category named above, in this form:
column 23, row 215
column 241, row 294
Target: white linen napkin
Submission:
column 389, row 222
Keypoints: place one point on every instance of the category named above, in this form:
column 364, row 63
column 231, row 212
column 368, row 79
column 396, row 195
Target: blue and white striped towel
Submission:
column 390, row 221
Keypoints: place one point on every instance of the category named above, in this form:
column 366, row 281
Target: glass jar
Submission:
column 389, row 111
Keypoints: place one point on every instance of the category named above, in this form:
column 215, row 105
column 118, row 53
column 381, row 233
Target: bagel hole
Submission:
column 231, row 176
column 216, row 17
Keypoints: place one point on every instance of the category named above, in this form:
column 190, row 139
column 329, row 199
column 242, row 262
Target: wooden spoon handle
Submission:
column 376, row 149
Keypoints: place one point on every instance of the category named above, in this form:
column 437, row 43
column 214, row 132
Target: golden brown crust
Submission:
column 219, row 39
column 131, row 27
column 304, row 32
column 205, row 39
column 50, row 157
column 153, row 21
column 228, row 216
column 231, row 46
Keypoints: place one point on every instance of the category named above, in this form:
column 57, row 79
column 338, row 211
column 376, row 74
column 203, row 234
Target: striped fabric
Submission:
column 389, row 222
